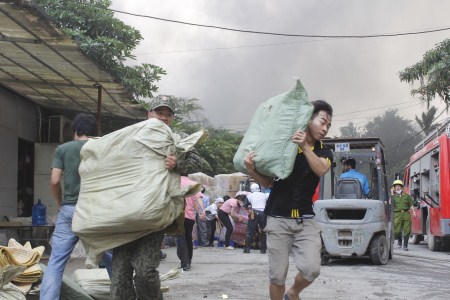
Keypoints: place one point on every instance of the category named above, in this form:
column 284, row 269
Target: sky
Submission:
column 232, row 73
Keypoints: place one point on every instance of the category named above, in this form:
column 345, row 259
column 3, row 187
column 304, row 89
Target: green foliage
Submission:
column 219, row 150
column 432, row 73
column 106, row 40
column 426, row 120
column 350, row 130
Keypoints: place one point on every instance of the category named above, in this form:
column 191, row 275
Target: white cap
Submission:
column 219, row 200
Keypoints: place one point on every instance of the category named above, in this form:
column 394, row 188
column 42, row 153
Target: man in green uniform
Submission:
column 403, row 204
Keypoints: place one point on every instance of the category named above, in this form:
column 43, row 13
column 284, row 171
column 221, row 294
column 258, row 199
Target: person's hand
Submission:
column 414, row 213
column 300, row 139
column 248, row 162
column 171, row 162
column 392, row 191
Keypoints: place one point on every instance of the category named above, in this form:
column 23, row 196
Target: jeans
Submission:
column 63, row 243
column 185, row 245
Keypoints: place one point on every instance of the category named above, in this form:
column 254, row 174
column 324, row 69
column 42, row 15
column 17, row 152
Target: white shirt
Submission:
column 258, row 200
column 213, row 210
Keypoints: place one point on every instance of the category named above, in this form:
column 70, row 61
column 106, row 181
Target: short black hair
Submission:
column 321, row 105
column 84, row 124
column 203, row 189
column 226, row 197
column 350, row 162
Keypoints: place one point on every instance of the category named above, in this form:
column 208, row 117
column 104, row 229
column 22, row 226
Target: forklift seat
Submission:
column 348, row 188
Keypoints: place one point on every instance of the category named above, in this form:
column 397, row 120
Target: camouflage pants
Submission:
column 141, row 256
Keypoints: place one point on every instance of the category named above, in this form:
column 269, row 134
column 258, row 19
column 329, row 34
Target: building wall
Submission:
column 18, row 119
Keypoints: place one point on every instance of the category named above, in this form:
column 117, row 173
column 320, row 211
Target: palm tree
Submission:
column 426, row 121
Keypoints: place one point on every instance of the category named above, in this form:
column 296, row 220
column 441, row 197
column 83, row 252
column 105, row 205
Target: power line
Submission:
column 357, row 111
column 232, row 47
column 284, row 34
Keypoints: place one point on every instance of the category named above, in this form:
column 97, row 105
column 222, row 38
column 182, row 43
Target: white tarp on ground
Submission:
column 126, row 192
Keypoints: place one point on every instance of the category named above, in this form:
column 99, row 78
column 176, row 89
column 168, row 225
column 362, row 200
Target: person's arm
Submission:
column 265, row 181
column 55, row 186
column 235, row 215
column 366, row 188
column 200, row 207
column 319, row 165
column 191, row 162
column 411, row 208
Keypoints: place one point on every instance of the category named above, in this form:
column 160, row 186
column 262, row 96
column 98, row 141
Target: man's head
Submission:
column 349, row 164
column 162, row 108
column 320, row 121
column 219, row 202
column 254, row 187
column 84, row 125
column 398, row 186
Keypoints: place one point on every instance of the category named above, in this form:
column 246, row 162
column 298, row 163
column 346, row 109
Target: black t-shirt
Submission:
column 292, row 197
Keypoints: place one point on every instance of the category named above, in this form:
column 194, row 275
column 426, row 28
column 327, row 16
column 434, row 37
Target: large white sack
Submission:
column 126, row 192
column 270, row 131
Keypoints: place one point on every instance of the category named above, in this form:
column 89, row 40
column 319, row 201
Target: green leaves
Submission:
column 432, row 73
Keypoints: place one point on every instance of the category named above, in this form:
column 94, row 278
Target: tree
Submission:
column 433, row 74
column 398, row 136
column 105, row 39
column 350, row 130
column 426, row 121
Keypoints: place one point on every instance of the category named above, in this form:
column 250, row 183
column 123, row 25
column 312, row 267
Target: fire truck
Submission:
column 427, row 179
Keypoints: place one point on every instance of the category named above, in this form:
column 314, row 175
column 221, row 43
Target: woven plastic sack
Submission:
column 126, row 192
column 270, row 131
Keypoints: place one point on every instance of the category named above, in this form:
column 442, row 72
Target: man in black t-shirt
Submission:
column 291, row 227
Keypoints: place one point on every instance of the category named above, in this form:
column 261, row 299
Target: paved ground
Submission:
column 218, row 273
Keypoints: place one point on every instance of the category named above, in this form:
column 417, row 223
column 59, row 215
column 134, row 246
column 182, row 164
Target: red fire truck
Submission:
column 427, row 179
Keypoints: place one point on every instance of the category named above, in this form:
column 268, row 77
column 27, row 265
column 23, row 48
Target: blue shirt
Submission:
column 361, row 178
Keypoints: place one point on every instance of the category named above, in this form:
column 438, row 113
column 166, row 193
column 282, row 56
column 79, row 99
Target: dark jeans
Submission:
column 223, row 217
column 259, row 221
column 212, row 230
column 185, row 246
column 202, row 231
column 143, row 257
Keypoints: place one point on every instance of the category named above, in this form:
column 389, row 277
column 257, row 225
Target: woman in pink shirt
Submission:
column 231, row 207
column 185, row 246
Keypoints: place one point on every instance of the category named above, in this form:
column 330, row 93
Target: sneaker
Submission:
column 405, row 249
column 263, row 251
column 246, row 251
column 399, row 246
column 162, row 255
column 187, row 267
column 229, row 248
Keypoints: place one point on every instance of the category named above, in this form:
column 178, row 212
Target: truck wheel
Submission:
column 379, row 250
column 415, row 239
column 433, row 241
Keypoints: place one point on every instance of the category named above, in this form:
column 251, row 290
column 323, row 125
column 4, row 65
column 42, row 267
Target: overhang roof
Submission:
column 38, row 62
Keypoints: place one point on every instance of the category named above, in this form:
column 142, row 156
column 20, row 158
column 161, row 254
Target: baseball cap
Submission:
column 162, row 100
column 219, row 200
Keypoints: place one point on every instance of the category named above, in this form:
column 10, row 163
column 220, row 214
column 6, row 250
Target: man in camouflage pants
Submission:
column 143, row 255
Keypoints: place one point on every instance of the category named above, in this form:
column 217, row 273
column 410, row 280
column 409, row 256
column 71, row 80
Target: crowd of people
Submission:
column 282, row 217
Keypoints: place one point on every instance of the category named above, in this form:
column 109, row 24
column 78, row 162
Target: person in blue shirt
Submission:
column 350, row 172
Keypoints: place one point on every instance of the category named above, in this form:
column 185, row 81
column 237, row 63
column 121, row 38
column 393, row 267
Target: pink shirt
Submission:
column 189, row 209
column 227, row 205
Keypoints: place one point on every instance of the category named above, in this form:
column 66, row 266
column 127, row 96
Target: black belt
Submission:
column 299, row 219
